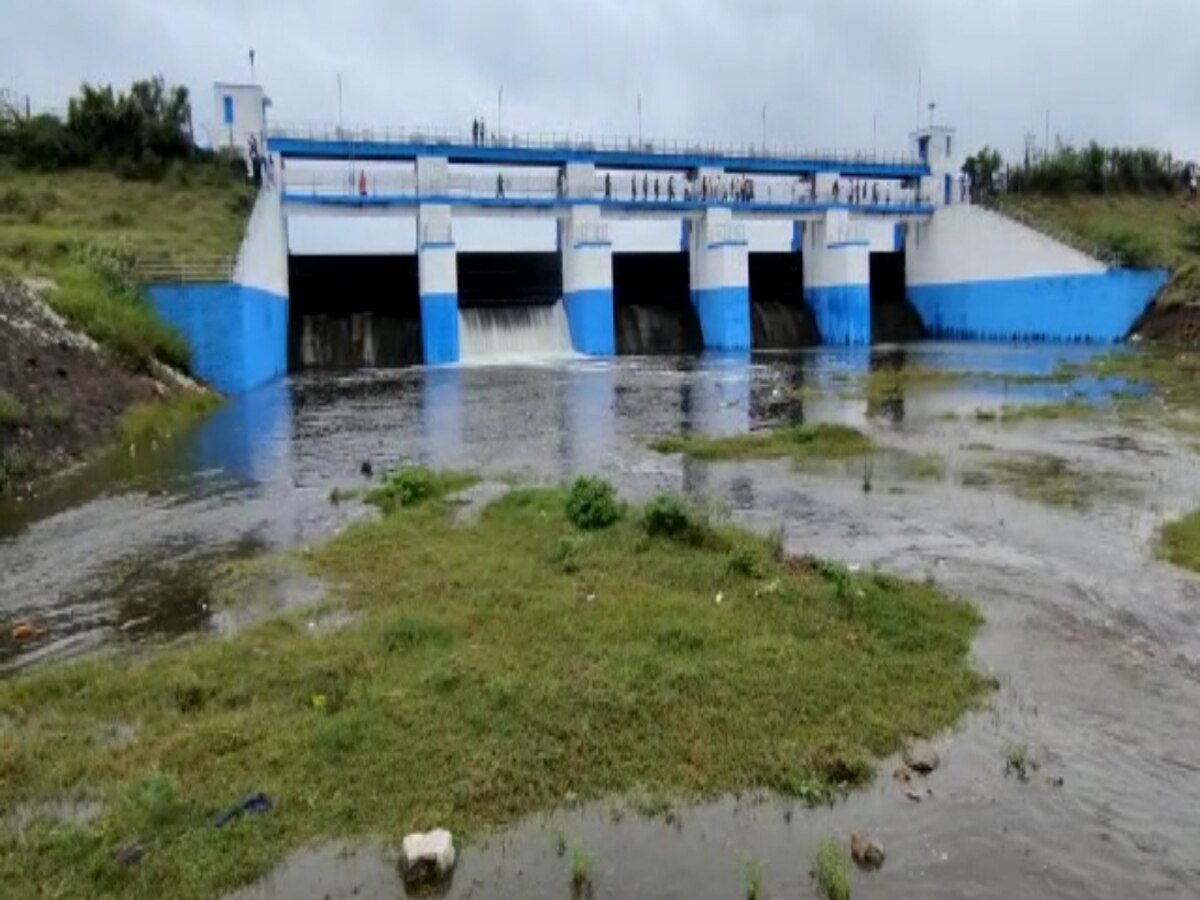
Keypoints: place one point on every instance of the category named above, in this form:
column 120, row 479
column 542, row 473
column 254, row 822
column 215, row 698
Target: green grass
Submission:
column 802, row 443
column 831, row 872
column 1159, row 230
column 581, row 868
column 45, row 220
column 1045, row 479
column 752, row 878
column 927, row 467
column 477, row 685
column 12, row 411
column 1179, row 542
column 160, row 420
column 410, row 486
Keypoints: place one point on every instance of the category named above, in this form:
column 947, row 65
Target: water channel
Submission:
column 1094, row 643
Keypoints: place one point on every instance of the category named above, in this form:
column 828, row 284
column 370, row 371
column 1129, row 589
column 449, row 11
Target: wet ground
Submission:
column 1096, row 645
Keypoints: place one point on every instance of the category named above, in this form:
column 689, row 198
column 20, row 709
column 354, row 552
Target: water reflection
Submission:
column 98, row 549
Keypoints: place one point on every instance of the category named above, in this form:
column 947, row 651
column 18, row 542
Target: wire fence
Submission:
column 183, row 269
column 549, row 140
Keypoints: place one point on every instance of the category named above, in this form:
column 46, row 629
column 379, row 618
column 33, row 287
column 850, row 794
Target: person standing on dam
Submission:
column 608, row 185
column 633, row 186
column 499, row 185
column 656, row 190
column 645, row 186
column 671, row 189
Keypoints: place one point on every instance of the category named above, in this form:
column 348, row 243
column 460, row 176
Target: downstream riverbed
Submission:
column 1095, row 644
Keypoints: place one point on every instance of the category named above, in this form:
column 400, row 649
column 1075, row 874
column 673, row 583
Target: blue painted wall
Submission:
column 590, row 317
column 843, row 313
column 439, row 328
column 1100, row 307
column 237, row 334
column 724, row 315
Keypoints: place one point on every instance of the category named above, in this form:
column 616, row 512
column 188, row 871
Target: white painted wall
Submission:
column 645, row 235
column 837, row 252
column 437, row 263
column 967, row 243
column 769, row 237
column 262, row 258
column 586, row 262
column 720, row 257
column 249, row 116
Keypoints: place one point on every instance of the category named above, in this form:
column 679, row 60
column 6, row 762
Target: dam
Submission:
column 515, row 246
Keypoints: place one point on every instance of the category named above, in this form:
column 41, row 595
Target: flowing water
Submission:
column 500, row 334
column 1095, row 644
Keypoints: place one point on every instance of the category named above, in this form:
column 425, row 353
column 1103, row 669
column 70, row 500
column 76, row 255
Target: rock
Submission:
column 913, row 796
column 921, row 757
column 368, row 470
column 866, row 851
column 427, row 857
column 25, row 631
column 902, row 773
column 130, row 854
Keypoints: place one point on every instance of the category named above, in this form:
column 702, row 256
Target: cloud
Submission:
column 830, row 72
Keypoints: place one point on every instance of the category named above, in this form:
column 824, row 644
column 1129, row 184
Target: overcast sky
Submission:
column 1116, row 70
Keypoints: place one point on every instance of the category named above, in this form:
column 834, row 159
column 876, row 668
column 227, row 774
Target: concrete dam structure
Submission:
column 641, row 247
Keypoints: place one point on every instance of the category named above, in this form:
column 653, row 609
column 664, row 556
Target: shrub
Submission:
column 744, row 561
column 668, row 515
column 592, row 504
column 408, row 486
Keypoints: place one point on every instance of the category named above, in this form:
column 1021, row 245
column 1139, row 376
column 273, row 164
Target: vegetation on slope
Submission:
column 489, row 671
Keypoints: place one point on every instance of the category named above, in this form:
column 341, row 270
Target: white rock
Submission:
column 427, row 856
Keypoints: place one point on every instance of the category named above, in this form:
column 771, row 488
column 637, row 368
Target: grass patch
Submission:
column 1050, row 480
column 592, row 504
column 410, row 486
column 1179, row 542
column 831, row 872
column 476, row 687
column 144, row 423
column 581, row 869
column 12, row 411
column 752, row 878
column 70, row 225
column 927, row 467
column 817, row 441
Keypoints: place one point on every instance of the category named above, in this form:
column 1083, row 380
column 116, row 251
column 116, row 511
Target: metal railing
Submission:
column 183, row 269
column 1075, row 241
column 549, row 140
column 525, row 185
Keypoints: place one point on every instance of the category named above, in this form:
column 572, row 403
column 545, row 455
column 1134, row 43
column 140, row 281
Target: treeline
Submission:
column 138, row 134
column 1093, row 169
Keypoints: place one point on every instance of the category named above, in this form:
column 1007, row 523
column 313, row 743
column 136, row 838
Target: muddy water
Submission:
column 1095, row 645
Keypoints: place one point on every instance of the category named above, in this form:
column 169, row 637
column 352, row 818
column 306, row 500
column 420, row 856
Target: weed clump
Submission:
column 752, row 875
column 581, row 869
column 12, row 412
column 830, row 871
column 410, row 486
column 592, row 504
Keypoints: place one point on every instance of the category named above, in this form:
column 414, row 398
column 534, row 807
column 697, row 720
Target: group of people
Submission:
column 478, row 132
column 859, row 192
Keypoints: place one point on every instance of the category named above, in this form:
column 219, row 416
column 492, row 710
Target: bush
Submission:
column 406, row 487
column 670, row 516
column 592, row 504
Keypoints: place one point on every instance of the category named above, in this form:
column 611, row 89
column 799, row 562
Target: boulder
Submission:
column 921, row 757
column 866, row 851
column 427, row 857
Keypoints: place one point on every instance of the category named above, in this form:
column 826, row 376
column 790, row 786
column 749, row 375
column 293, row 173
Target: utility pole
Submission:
column 932, row 110
column 500, row 111
column 339, row 82
column 252, row 80
column 764, row 129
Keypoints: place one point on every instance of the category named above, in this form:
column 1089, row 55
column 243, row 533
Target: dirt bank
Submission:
column 1177, row 323
column 61, row 395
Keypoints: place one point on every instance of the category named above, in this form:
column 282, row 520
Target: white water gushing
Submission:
column 490, row 334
